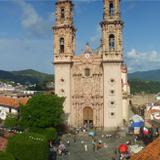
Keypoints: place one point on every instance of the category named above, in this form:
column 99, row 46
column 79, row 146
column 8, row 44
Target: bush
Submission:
column 6, row 156
column 10, row 121
column 28, row 146
column 49, row 133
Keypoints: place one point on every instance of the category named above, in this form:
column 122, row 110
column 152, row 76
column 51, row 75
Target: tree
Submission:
column 42, row 111
column 28, row 146
column 10, row 121
column 6, row 156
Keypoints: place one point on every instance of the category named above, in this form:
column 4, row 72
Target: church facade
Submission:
column 94, row 83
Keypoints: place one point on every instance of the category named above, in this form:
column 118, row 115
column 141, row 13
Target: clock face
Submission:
column 87, row 55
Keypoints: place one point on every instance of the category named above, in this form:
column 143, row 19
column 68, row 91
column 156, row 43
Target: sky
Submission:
column 26, row 38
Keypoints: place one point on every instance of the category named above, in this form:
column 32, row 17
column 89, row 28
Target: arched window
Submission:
column 111, row 41
column 87, row 72
column 62, row 13
column 61, row 42
column 111, row 9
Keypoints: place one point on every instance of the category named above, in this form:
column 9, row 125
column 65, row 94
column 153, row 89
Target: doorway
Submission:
column 88, row 115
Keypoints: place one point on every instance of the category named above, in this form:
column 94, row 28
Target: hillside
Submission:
column 139, row 86
column 25, row 76
column 146, row 81
column 152, row 75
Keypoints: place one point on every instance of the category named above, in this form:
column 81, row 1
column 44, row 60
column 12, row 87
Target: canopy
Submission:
column 137, row 118
column 92, row 133
column 123, row 148
column 137, row 124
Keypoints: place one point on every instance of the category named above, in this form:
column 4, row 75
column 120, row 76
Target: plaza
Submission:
column 77, row 150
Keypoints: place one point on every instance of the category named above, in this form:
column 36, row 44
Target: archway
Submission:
column 88, row 115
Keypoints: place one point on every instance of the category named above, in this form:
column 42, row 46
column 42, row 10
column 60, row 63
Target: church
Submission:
column 94, row 82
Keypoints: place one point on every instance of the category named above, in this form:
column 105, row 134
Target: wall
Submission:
column 141, row 99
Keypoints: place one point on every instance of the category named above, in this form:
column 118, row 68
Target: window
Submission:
column 112, row 80
column 61, row 41
column 87, row 72
column 112, row 92
column 112, row 113
column 111, row 9
column 112, row 102
column 62, row 13
column 111, row 41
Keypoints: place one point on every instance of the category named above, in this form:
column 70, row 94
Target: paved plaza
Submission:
column 77, row 151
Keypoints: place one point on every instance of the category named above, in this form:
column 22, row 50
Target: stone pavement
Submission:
column 77, row 151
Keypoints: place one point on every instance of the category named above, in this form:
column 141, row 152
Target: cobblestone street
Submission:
column 77, row 151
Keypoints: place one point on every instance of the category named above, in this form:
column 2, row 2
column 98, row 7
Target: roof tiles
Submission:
column 150, row 152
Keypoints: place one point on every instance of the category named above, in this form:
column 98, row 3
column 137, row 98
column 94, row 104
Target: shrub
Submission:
column 28, row 146
column 49, row 133
column 6, row 156
column 10, row 121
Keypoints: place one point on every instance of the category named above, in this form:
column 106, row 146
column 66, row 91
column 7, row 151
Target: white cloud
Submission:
column 133, row 54
column 32, row 21
column 139, row 61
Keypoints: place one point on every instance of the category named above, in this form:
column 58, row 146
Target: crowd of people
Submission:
column 61, row 147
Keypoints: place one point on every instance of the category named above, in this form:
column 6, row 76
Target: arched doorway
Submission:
column 88, row 115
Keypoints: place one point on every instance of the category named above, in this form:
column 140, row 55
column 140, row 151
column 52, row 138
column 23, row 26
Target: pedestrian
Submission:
column 94, row 147
column 68, row 143
column 94, row 144
column 82, row 142
column 74, row 138
column 85, row 148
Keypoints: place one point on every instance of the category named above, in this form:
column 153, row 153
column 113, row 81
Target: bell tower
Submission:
column 112, row 52
column 112, row 26
column 64, row 50
column 64, row 31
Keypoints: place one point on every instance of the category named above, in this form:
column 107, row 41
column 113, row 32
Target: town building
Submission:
column 10, row 105
column 94, row 83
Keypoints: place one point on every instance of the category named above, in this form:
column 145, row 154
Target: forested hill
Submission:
column 142, row 86
column 152, row 75
column 145, row 81
column 25, row 76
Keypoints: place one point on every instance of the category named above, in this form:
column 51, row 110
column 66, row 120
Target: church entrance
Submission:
column 88, row 115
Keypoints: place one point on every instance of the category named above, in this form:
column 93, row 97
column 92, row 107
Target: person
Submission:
column 53, row 153
column 94, row 145
column 74, row 138
column 85, row 148
column 68, row 142
column 82, row 142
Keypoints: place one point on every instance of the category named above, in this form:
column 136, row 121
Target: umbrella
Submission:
column 92, row 133
column 123, row 148
column 137, row 118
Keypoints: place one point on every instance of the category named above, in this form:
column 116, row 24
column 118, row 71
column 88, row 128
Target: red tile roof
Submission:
column 3, row 143
column 13, row 102
column 150, row 152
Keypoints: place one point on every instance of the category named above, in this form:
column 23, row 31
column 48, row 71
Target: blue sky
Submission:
column 26, row 39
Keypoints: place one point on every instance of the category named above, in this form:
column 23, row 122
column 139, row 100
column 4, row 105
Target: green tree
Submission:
column 28, row 146
column 6, row 156
column 42, row 111
column 10, row 121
